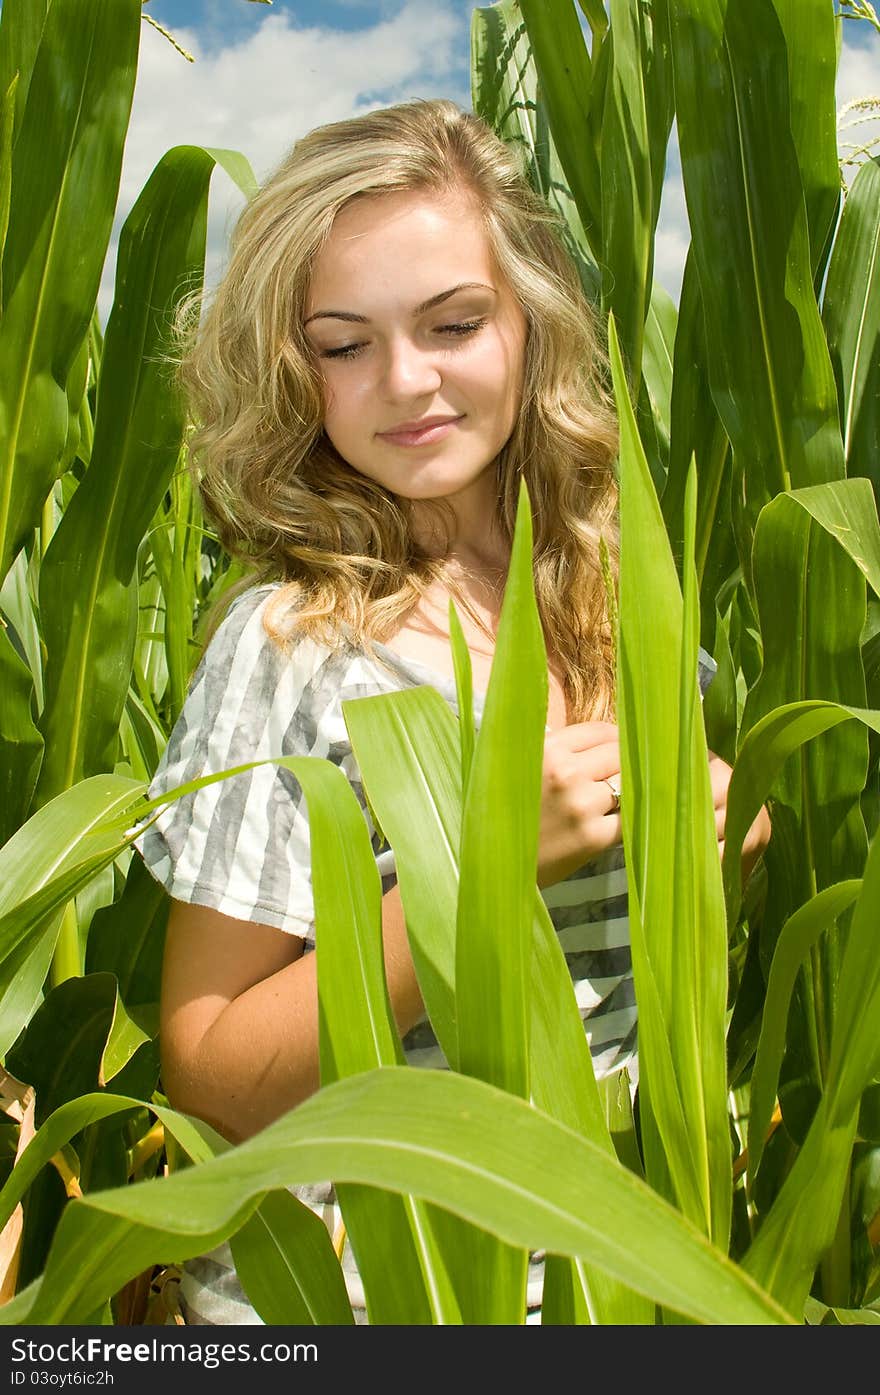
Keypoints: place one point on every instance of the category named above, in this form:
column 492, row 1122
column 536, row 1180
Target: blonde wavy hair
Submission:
column 285, row 501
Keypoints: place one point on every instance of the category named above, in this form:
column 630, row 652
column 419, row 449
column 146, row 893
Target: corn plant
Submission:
column 745, row 1189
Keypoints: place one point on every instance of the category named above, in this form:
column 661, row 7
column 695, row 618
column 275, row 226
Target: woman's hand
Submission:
column 758, row 835
column 578, row 810
column 579, row 818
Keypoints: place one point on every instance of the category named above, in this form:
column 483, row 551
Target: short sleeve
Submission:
column 241, row 845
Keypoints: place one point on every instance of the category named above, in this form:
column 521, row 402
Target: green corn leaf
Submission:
column 406, row 747
column 21, row 28
column 657, row 360
column 287, row 1266
column 764, row 751
column 408, row 752
column 196, row 1139
column 809, row 29
column 7, row 120
column 62, row 1053
column 46, row 862
column 499, row 839
column 21, row 745
column 810, row 649
column 851, row 313
column 454, row 1140
column 88, row 586
column 565, row 74
column 630, row 148
column 65, row 177
column 769, row 368
column 127, row 939
column 676, row 909
column 497, row 871
column 696, row 430
column 464, row 687
column 506, row 93
column 798, row 934
column 801, row 1223
column 402, row 1268
column 847, row 510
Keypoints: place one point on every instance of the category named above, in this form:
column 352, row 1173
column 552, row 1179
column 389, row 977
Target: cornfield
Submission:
column 746, row 1189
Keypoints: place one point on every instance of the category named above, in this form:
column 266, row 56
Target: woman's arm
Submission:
column 239, row 1014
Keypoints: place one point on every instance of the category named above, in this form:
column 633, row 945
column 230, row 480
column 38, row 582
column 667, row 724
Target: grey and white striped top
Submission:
column 241, row 846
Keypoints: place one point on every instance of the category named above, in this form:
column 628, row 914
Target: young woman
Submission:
column 400, row 337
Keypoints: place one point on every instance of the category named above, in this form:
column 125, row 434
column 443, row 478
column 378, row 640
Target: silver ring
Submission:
column 615, row 790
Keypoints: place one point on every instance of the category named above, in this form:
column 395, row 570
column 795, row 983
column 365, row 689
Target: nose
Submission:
column 408, row 370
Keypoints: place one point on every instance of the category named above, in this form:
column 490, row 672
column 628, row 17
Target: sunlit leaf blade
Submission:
column 88, row 583
column 847, row 510
column 285, row 1260
column 809, row 649
column 65, row 179
column 695, row 430
column 499, row 839
column 769, row 369
column 42, row 866
column 506, row 93
column 497, row 870
column 464, row 688
column 564, row 72
column 7, row 121
column 406, row 747
column 798, row 934
column 809, row 29
column 196, row 1139
column 802, row 1221
column 630, row 202
column 21, row 27
column 855, row 1049
column 400, row 1264
column 657, row 361
column 454, row 1140
column 676, row 921
column 851, row 312
column 762, row 755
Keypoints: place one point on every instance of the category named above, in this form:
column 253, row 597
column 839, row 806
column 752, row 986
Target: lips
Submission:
column 417, row 433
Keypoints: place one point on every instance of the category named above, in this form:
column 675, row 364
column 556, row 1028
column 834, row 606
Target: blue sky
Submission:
column 264, row 75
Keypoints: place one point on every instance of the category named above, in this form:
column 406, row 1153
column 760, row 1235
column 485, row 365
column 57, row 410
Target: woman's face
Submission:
column 421, row 345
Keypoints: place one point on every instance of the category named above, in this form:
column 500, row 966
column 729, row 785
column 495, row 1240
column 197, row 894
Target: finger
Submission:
column 720, row 821
column 598, row 762
column 583, row 736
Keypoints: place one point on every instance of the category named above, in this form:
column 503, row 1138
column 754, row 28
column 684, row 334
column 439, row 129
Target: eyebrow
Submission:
column 419, row 309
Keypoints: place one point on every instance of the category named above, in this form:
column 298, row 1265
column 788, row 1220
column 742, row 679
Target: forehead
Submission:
column 413, row 243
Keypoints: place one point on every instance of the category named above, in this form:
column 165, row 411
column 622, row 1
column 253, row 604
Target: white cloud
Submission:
column 262, row 93
column 858, row 77
column 673, row 231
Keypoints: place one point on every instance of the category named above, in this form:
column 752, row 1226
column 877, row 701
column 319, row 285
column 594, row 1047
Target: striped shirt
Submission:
column 241, row 847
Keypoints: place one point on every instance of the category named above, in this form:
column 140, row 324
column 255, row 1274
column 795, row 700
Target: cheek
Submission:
column 499, row 372
column 337, row 407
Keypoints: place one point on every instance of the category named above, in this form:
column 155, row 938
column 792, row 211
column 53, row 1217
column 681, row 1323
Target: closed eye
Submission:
column 345, row 351
column 460, row 329
column 463, row 327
